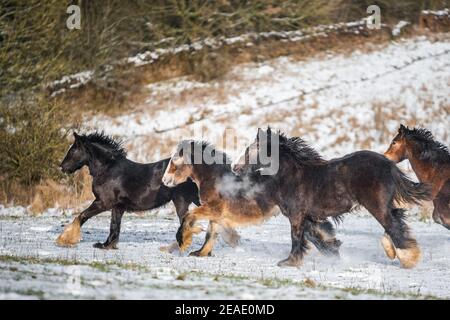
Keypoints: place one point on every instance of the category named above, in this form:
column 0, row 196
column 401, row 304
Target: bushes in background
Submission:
column 33, row 140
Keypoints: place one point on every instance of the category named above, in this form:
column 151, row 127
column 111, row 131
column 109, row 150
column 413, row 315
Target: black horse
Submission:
column 119, row 185
column 307, row 186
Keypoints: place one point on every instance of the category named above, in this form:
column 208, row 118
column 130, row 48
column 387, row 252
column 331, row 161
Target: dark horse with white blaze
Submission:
column 308, row 187
column 228, row 200
column 430, row 161
column 119, row 185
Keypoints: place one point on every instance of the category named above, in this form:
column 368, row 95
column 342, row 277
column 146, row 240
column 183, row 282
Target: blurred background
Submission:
column 152, row 72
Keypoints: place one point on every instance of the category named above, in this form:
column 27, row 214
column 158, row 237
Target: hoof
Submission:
column 290, row 262
column 104, row 246
column 71, row 235
column 409, row 257
column 388, row 247
column 199, row 253
column 183, row 245
column 170, row 248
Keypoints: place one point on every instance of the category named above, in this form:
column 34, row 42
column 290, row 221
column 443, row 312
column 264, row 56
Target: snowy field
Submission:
column 31, row 266
column 339, row 102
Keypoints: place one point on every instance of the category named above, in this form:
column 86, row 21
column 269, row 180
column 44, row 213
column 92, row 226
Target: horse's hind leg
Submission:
column 388, row 246
column 210, row 239
column 322, row 236
column 398, row 242
column 229, row 235
column 114, row 232
column 406, row 248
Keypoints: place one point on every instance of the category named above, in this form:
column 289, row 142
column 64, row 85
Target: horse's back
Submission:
column 361, row 156
column 361, row 169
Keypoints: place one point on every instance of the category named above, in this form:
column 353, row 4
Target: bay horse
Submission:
column 430, row 161
column 228, row 200
column 119, row 185
column 306, row 186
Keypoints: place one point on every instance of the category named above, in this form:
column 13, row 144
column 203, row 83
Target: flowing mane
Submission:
column 431, row 149
column 299, row 150
column 100, row 138
column 202, row 145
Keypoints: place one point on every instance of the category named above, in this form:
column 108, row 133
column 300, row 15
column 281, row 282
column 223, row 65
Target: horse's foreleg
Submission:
column 186, row 231
column 441, row 212
column 72, row 232
column 181, row 207
column 188, row 227
column 210, row 239
column 299, row 244
column 114, row 231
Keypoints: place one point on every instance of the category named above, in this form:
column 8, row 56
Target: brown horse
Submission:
column 228, row 200
column 430, row 161
column 306, row 186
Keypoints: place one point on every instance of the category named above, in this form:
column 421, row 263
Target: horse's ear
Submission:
column 77, row 137
column 402, row 129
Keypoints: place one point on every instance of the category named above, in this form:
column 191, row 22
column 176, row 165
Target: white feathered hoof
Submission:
column 388, row 247
column 409, row 257
column 71, row 234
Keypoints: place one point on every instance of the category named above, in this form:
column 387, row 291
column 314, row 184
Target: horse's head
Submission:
column 260, row 156
column 76, row 157
column 179, row 168
column 397, row 149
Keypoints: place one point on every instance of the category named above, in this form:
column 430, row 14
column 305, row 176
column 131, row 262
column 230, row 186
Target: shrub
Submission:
column 33, row 135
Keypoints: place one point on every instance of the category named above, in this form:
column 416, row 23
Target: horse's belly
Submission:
column 233, row 216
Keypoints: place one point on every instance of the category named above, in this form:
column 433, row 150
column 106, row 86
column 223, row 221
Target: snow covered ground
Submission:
column 31, row 266
column 338, row 102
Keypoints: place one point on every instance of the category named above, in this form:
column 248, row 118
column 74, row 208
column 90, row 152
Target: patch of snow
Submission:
column 398, row 27
column 248, row 271
column 439, row 13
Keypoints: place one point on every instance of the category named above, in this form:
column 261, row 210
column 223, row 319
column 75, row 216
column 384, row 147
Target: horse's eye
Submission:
column 393, row 143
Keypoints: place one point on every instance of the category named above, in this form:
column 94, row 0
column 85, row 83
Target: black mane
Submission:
column 299, row 150
column 430, row 148
column 115, row 145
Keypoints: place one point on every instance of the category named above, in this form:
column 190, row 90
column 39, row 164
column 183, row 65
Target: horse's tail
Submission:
column 407, row 190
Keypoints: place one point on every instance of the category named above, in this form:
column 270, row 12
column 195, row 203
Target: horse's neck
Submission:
column 98, row 162
column 423, row 168
column 202, row 173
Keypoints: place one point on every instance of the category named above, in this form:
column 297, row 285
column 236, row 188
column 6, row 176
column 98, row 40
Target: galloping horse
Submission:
column 228, row 200
column 119, row 185
column 430, row 161
column 308, row 187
